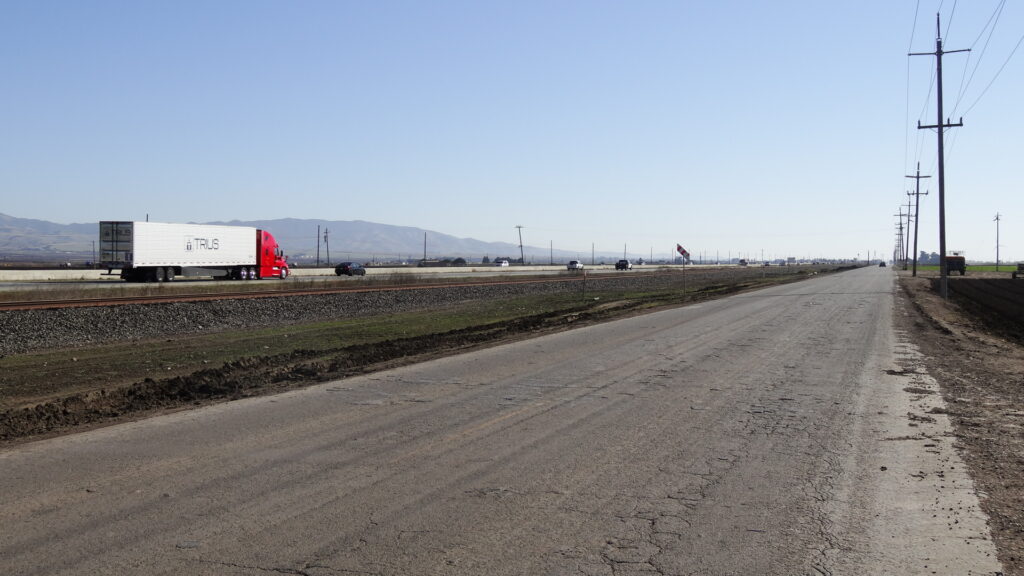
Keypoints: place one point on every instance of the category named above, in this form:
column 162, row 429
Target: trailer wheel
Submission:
column 169, row 274
column 159, row 274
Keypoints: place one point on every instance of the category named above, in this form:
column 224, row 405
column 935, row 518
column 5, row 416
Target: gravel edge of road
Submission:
column 978, row 373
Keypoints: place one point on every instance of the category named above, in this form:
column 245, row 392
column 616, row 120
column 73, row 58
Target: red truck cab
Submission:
column 272, row 262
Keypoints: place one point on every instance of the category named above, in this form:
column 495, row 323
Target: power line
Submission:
column 950, row 22
column 906, row 118
column 953, row 142
column 993, row 21
column 913, row 29
column 996, row 14
column 925, row 107
column 1014, row 51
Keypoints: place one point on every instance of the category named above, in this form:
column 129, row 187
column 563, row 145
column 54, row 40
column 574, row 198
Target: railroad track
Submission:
column 276, row 293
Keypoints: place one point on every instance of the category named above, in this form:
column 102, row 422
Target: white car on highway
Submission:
column 574, row 265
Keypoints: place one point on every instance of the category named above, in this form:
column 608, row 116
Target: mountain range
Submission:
column 24, row 239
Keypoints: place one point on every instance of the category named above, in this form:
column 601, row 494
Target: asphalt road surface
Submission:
column 784, row 431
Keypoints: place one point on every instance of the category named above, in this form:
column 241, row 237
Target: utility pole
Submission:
column 940, row 130
column 906, row 238
column 552, row 248
column 899, row 238
column 522, row 258
column 317, row 245
column 328, row 245
column 424, row 246
column 917, row 210
column 997, row 241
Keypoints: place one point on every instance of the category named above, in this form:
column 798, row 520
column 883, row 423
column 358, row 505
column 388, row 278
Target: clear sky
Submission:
column 728, row 126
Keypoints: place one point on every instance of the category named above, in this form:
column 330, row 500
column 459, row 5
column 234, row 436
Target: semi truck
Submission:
column 161, row 251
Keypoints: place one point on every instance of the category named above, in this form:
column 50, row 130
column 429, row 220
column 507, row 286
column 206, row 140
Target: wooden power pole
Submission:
column 940, row 129
column 917, row 209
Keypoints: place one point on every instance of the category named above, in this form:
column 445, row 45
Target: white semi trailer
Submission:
column 159, row 251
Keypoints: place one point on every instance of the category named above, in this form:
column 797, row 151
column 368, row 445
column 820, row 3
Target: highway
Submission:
column 784, row 431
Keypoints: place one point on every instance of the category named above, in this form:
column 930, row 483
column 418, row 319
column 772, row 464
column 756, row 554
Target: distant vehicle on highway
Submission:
column 501, row 263
column 623, row 265
column 574, row 265
column 350, row 269
column 881, row 264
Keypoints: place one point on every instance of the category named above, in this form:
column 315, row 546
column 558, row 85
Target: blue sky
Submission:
column 730, row 126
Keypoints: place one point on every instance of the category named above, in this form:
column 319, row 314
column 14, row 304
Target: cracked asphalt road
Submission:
column 784, row 431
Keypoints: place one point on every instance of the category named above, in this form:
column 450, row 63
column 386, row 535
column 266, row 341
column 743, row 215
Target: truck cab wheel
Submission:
column 284, row 273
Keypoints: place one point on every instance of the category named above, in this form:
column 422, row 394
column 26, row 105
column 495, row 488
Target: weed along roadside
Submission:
column 116, row 363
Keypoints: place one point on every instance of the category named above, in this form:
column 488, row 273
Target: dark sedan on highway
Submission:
column 350, row 269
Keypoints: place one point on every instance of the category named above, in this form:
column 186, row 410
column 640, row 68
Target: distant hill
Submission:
column 23, row 238
column 361, row 239
column 26, row 239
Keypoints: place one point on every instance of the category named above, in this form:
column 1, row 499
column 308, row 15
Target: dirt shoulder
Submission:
column 980, row 369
